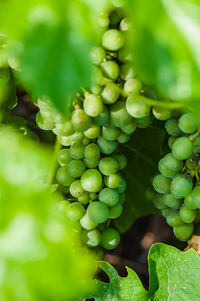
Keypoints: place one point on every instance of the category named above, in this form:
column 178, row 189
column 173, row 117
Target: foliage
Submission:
column 173, row 276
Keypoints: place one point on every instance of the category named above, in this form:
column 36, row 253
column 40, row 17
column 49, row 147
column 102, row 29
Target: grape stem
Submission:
column 57, row 147
column 165, row 104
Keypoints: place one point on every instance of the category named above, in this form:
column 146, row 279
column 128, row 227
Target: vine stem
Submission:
column 165, row 104
column 57, row 147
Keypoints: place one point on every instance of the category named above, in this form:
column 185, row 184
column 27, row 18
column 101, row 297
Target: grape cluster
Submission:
column 178, row 184
column 102, row 118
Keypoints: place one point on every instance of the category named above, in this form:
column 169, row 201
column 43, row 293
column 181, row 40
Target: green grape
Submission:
column 96, row 89
column 161, row 184
column 171, row 140
column 161, row 113
column 121, row 160
column 126, row 72
column 91, row 163
column 92, row 152
column 103, row 20
column 122, row 198
column 172, row 128
column 132, row 85
column 188, row 123
column 91, row 180
column 187, row 215
column 188, row 201
column 98, row 212
column 97, row 76
column 166, row 211
column 110, row 93
column 75, row 225
column 113, row 40
column 137, row 107
column 63, row 129
column 130, row 127
column 145, row 121
column 87, row 223
column 80, row 120
column 181, row 186
column 197, row 145
column 76, row 189
column 112, row 181
column 196, row 196
column 64, row 156
column 107, row 147
column 125, row 25
column 44, row 124
column 63, row 177
column 110, row 238
column 86, row 141
column 159, row 202
column 93, row 131
column 173, row 219
column 169, row 166
column 84, row 199
column 191, row 163
column 77, row 151
column 65, row 140
column 108, row 166
column 75, row 211
column 93, row 196
column 182, row 148
column 171, row 201
column 119, row 116
column 115, row 16
column 110, row 70
column 124, row 55
column 97, row 55
column 63, row 205
column 77, row 137
column 183, row 232
column 102, row 118
column 122, row 186
column 93, row 105
column 75, row 168
column 123, row 138
column 91, row 238
column 115, row 211
column 110, row 133
column 109, row 196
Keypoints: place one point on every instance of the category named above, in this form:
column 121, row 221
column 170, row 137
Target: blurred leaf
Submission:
column 166, row 46
column 40, row 256
column 173, row 276
column 143, row 152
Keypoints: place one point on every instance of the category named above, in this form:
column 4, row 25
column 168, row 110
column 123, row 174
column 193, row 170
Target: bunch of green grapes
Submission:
column 101, row 119
column 178, row 184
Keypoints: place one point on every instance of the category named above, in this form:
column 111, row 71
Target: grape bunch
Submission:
column 102, row 118
column 178, row 183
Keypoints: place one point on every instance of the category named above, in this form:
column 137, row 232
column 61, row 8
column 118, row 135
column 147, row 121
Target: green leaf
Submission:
column 40, row 255
column 174, row 276
column 166, row 46
column 143, row 153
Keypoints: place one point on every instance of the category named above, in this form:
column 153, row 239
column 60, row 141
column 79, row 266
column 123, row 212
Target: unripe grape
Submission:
column 110, row 238
column 93, row 131
column 121, row 160
column 64, row 156
column 91, row 238
column 171, row 201
column 137, row 107
column 169, row 166
column 102, row 118
column 161, row 184
column 126, row 72
column 110, row 93
column 77, row 137
column 43, row 124
column 130, row 127
column 65, row 140
column 122, row 186
column 173, row 219
column 197, row 145
column 93, row 196
column 110, row 70
column 112, row 181
column 87, row 223
column 113, row 40
column 125, row 25
column 115, row 211
column 188, row 123
column 97, row 55
column 96, row 89
column 187, row 215
column 183, row 232
column 132, row 85
column 172, row 128
column 161, row 113
column 80, row 120
column 76, row 189
column 107, row 147
column 76, row 168
column 92, row 152
column 124, row 55
column 145, row 121
column 123, row 138
column 91, row 163
column 111, row 133
column 75, row 211
column 181, row 186
column 84, row 198
column 182, row 148
column 166, row 211
column 171, row 140
column 109, row 196
column 108, row 166
column 91, row 180
column 189, row 202
column 93, row 105
column 63, row 129
column 77, row 151
column 119, row 116
column 159, row 202
column 98, row 212
column 196, row 196
column 63, row 177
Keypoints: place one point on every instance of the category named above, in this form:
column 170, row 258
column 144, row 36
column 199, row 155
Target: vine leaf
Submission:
column 143, row 153
column 174, row 276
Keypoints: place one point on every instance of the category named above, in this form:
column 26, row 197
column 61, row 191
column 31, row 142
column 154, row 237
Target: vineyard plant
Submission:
column 100, row 150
